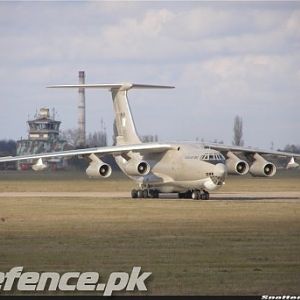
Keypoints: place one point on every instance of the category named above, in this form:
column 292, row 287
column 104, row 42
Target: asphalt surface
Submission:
column 123, row 195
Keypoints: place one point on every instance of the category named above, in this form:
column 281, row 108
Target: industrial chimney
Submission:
column 81, row 111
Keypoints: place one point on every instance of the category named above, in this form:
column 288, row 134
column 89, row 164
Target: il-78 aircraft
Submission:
column 190, row 169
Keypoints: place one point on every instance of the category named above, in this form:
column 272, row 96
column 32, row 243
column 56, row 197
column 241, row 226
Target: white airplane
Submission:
column 191, row 170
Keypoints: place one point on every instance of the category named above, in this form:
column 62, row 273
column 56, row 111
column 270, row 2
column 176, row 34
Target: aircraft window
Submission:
column 214, row 156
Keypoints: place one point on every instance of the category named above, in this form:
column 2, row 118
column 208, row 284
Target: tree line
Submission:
column 99, row 139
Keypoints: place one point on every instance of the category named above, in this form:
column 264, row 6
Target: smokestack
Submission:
column 81, row 110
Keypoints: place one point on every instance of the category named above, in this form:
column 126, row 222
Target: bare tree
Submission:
column 149, row 138
column 72, row 136
column 8, row 147
column 97, row 139
column 292, row 148
column 238, row 131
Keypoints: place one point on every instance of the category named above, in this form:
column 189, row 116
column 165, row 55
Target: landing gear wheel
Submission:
column 150, row 193
column 196, row 195
column 140, row 194
column 134, row 193
column 188, row 195
column 145, row 194
column 185, row 195
column 155, row 194
column 206, row 195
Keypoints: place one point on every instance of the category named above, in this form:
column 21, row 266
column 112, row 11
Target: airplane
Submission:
column 192, row 170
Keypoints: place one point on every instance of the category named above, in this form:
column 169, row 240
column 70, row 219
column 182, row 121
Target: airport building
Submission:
column 43, row 136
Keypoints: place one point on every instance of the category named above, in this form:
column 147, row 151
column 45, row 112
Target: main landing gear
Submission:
column 202, row 195
column 149, row 193
column 152, row 193
column 195, row 194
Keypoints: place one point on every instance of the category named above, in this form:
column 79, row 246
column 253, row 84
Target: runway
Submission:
column 235, row 238
column 123, row 195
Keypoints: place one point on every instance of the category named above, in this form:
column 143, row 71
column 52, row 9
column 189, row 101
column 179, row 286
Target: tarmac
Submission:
column 265, row 196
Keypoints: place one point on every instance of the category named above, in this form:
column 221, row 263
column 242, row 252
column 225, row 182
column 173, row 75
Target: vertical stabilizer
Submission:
column 125, row 127
column 126, row 132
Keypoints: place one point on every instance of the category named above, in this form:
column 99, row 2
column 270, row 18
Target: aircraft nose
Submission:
column 220, row 170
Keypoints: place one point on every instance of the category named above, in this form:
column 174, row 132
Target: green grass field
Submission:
column 11, row 181
column 191, row 247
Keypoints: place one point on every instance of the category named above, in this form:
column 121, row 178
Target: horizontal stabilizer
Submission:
column 122, row 86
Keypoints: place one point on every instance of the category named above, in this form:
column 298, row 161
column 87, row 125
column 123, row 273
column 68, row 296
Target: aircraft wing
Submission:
column 116, row 150
column 248, row 150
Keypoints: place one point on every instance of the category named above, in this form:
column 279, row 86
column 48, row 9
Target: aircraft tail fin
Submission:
column 124, row 123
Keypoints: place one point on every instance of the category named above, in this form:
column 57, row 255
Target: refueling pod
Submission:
column 98, row 168
column 39, row 165
column 262, row 167
column 235, row 165
column 292, row 164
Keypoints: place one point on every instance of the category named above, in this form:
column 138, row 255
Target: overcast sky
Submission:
column 225, row 58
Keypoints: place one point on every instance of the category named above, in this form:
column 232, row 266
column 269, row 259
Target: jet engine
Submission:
column 262, row 167
column 135, row 168
column 235, row 165
column 98, row 168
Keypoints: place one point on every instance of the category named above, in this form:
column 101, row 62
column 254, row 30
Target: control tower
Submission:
column 43, row 127
column 43, row 136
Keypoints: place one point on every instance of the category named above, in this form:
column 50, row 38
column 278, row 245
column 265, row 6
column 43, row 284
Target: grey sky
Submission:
column 225, row 58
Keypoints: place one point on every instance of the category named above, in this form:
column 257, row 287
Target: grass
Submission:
column 191, row 247
column 29, row 181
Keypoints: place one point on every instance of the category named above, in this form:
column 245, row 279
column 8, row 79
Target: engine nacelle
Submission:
column 98, row 168
column 262, row 167
column 134, row 168
column 235, row 165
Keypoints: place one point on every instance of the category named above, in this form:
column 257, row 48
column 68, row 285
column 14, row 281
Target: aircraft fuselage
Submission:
column 187, row 167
